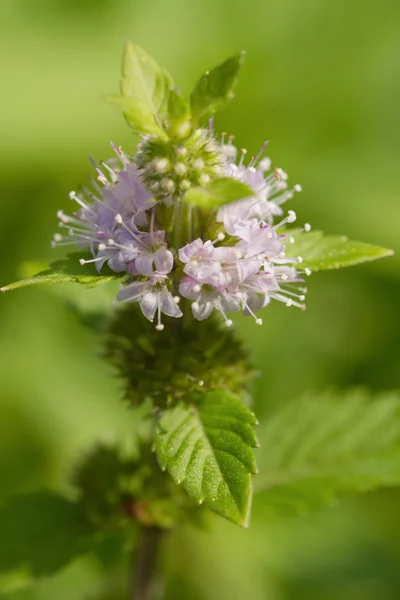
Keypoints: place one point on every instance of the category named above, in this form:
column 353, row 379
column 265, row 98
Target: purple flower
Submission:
column 153, row 297
column 246, row 266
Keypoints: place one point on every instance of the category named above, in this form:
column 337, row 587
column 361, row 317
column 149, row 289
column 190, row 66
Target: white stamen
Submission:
column 118, row 218
column 221, row 236
column 291, row 216
column 297, row 188
column 307, row 272
column 159, row 327
column 177, row 299
column 102, row 247
column 300, row 259
column 307, row 227
column 259, row 321
column 289, row 302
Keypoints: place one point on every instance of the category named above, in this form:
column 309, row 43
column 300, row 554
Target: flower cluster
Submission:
column 128, row 215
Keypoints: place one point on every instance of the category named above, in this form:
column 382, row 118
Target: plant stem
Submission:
column 144, row 584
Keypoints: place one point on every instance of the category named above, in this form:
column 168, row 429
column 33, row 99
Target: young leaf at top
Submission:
column 324, row 447
column 41, row 532
column 144, row 91
column 215, row 89
column 322, row 252
column 219, row 192
column 206, row 445
column 68, row 270
column 178, row 114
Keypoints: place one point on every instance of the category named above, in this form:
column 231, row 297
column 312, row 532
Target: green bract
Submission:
column 219, row 192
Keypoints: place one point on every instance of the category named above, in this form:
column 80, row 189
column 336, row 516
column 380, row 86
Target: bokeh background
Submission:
column 322, row 82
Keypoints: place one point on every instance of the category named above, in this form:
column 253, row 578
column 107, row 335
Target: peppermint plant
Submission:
column 194, row 231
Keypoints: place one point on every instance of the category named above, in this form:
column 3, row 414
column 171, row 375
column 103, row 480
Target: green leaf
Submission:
column 321, row 252
column 324, row 447
column 41, row 532
column 215, row 89
column 206, row 445
column 68, row 270
column 144, row 91
column 219, row 192
column 178, row 113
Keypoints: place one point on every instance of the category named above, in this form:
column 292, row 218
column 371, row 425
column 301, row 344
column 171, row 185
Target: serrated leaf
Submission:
column 324, row 447
column 215, row 89
column 206, row 445
column 41, row 532
column 322, row 252
column 219, row 192
column 144, row 90
column 68, row 270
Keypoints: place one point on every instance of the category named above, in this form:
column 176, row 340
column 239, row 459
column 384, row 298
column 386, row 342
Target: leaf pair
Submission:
column 149, row 101
column 319, row 252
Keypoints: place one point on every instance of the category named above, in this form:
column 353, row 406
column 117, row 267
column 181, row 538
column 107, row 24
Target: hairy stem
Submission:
column 145, row 584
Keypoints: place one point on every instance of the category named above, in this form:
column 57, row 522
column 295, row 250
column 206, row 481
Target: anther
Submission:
column 300, row 259
column 307, row 272
column 118, row 218
column 159, row 327
column 307, row 227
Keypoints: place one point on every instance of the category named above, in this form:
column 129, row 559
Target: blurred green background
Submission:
column 322, row 82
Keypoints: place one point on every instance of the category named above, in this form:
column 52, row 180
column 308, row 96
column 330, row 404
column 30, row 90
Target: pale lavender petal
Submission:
column 148, row 304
